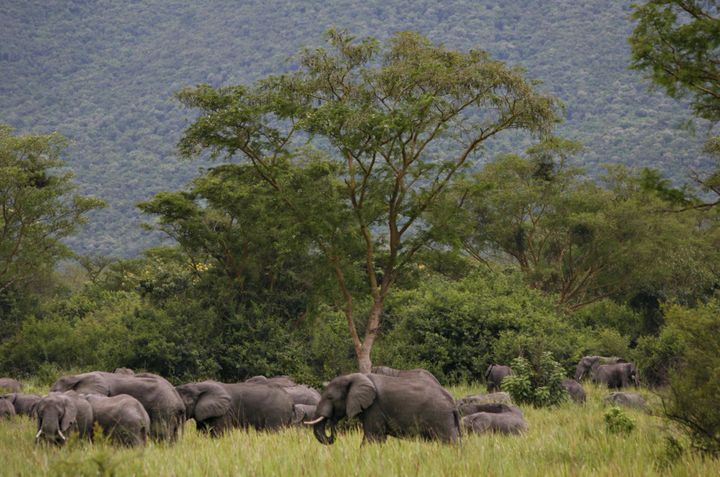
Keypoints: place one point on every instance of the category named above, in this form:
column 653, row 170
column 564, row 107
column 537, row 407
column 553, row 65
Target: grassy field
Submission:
column 569, row 440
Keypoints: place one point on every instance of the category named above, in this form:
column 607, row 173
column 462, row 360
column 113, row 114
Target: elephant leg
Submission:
column 374, row 430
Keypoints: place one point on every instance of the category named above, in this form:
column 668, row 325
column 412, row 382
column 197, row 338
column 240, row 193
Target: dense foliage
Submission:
column 536, row 380
column 103, row 74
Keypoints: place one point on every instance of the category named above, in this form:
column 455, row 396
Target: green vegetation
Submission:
column 104, row 75
column 536, row 381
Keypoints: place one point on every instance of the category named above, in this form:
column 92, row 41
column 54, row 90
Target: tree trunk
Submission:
column 373, row 326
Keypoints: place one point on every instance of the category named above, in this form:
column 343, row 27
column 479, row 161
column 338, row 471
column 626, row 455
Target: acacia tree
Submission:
column 398, row 121
column 37, row 207
column 678, row 43
column 581, row 240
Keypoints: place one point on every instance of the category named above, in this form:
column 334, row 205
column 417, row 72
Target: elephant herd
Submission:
column 132, row 407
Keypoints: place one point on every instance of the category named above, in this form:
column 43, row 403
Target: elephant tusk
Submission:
column 38, row 434
column 61, row 435
column 310, row 423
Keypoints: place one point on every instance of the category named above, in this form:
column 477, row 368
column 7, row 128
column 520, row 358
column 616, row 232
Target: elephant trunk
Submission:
column 320, row 433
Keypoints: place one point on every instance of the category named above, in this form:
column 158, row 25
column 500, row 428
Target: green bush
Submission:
column 694, row 381
column 539, row 383
column 617, row 422
column 456, row 328
column 656, row 355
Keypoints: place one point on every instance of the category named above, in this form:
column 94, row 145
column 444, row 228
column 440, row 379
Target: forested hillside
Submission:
column 104, row 75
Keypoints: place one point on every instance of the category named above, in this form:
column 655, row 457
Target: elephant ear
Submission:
column 361, row 394
column 69, row 416
column 213, row 401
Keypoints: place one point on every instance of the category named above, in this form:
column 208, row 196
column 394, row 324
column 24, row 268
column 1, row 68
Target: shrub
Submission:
column 694, row 382
column 456, row 328
column 539, row 383
column 617, row 422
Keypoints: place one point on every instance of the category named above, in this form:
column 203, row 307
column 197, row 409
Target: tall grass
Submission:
column 567, row 440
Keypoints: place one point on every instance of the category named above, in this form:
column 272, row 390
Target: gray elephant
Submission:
column 24, row 404
column 387, row 406
column 159, row 398
column 504, row 423
column 501, row 396
column 469, row 408
column 633, row 400
column 619, row 375
column 588, row 363
column 494, row 376
column 122, row 418
column 405, row 373
column 10, row 385
column 575, row 390
column 300, row 393
column 127, row 371
column 217, row 407
column 7, row 410
column 60, row 414
column 302, row 413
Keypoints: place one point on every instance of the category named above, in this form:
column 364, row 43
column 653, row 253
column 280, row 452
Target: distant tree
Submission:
column 578, row 239
column 37, row 206
column 398, row 123
column 678, row 43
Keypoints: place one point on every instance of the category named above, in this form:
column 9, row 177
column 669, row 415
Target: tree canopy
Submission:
column 398, row 122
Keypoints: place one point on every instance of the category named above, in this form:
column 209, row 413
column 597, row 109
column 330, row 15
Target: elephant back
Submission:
column 262, row 406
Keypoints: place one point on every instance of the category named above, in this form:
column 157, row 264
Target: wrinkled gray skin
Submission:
column 405, row 373
column 122, row 418
column 159, row 398
column 633, row 400
column 494, row 376
column 217, row 407
column 504, row 423
column 575, row 390
column 619, row 375
column 60, row 414
column 300, row 393
column 7, row 410
column 303, row 413
column 587, row 364
column 388, row 406
column 501, row 396
column 126, row 371
column 493, row 407
column 24, row 404
column 10, row 385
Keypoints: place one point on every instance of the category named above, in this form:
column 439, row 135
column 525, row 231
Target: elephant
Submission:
column 494, row 376
column 127, row 371
column 217, row 407
column 588, row 363
column 410, row 373
column 633, row 400
column 159, row 398
column 7, row 410
column 61, row 413
column 122, row 418
column 492, row 407
column 501, row 396
column 300, row 393
column 302, row 413
column 387, row 406
column 24, row 404
column 504, row 423
column 574, row 389
column 10, row 385
column 618, row 375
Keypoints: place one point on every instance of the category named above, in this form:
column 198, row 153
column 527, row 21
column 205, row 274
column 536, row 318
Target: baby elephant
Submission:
column 500, row 396
column 575, row 390
column 7, row 410
column 504, row 423
column 494, row 407
column 494, row 376
column 122, row 418
column 60, row 414
column 633, row 400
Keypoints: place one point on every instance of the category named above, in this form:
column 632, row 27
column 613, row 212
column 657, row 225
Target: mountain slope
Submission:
column 103, row 73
